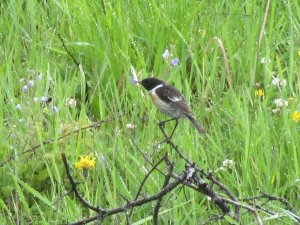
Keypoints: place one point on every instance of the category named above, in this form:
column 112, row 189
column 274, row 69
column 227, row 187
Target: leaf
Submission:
column 34, row 192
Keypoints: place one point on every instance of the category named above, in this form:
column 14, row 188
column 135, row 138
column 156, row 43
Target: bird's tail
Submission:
column 198, row 126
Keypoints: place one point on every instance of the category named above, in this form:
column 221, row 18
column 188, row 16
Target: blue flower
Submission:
column 55, row 109
column 133, row 78
column 30, row 83
column 25, row 88
column 174, row 62
column 44, row 99
column 19, row 107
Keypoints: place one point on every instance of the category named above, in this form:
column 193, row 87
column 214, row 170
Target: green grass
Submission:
column 107, row 41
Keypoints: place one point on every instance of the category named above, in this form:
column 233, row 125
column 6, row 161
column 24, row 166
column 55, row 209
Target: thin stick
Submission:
column 147, row 176
column 46, row 142
column 226, row 62
column 67, row 50
column 262, row 30
column 250, row 209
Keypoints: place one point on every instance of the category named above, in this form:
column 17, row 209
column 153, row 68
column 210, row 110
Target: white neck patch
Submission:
column 153, row 89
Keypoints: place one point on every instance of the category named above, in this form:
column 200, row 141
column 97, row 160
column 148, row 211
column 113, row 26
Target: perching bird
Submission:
column 170, row 101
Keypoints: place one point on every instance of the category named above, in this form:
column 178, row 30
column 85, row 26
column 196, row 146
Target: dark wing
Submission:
column 171, row 95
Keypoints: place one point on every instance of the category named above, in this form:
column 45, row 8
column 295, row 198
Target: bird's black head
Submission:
column 150, row 83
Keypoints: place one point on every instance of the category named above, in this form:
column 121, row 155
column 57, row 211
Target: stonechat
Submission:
column 170, row 101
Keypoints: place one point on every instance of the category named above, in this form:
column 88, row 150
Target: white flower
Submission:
column 280, row 103
column 40, row 76
column 275, row 111
column 133, row 79
column 265, row 60
column 30, row 83
column 70, row 102
column 25, row 88
column 19, row 107
column 276, row 81
column 44, row 99
column 130, row 126
column 22, row 120
column 36, row 99
column 22, row 79
column 166, row 54
column 227, row 163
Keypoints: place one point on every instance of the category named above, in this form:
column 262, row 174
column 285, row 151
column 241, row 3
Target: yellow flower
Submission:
column 299, row 53
column 85, row 162
column 296, row 116
column 259, row 93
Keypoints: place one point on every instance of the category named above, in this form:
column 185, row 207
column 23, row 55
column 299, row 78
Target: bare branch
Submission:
column 265, row 195
column 283, row 201
column 208, row 176
column 148, row 174
column 74, row 187
column 158, row 202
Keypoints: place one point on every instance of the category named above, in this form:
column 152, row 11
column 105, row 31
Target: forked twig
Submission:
column 209, row 176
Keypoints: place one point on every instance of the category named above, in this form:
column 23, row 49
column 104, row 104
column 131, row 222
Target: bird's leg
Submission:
column 167, row 139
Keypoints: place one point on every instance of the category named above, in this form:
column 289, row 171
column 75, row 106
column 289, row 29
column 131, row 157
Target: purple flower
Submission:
column 40, row 76
column 174, row 62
